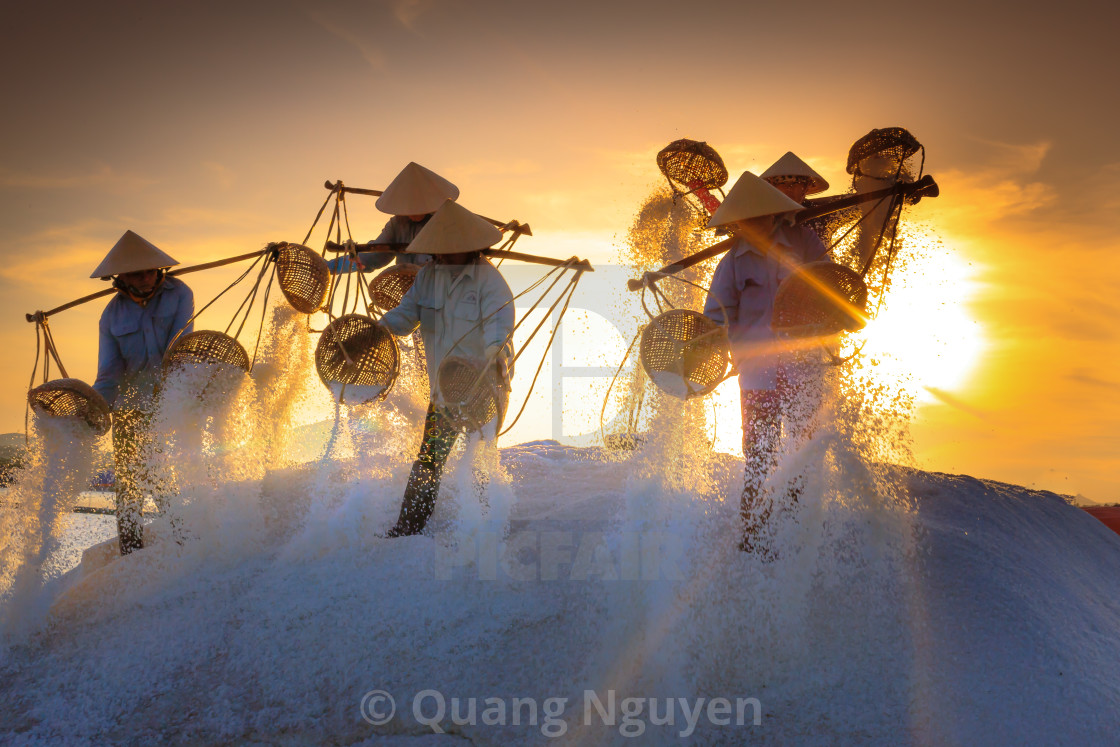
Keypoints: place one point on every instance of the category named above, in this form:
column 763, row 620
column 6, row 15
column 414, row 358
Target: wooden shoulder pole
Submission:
column 173, row 273
column 924, row 187
column 513, row 225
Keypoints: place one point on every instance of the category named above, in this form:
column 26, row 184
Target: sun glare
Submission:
column 923, row 335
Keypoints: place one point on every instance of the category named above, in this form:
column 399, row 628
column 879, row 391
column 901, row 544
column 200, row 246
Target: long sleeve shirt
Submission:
column 399, row 229
column 742, row 294
column 133, row 338
column 460, row 309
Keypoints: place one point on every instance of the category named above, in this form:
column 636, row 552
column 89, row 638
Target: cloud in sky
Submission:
column 38, row 259
column 364, row 26
column 1003, row 186
column 349, row 33
column 49, row 260
column 1014, row 157
column 102, row 176
column 407, row 12
column 1084, row 376
column 957, row 403
column 223, row 175
column 498, row 168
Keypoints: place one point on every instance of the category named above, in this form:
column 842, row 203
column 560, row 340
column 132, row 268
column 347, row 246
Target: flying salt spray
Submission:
column 40, row 502
column 835, row 591
column 671, row 466
column 207, row 462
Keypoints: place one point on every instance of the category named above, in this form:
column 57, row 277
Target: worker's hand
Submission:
column 352, row 252
column 501, row 365
column 502, row 369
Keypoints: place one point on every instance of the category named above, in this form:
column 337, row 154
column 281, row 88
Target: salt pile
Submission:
column 993, row 600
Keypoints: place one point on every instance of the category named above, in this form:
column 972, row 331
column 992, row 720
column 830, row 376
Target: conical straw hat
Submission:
column 133, row 253
column 751, row 198
column 454, row 229
column 791, row 165
column 416, row 191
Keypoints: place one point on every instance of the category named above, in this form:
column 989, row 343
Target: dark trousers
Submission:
column 762, row 427
column 130, row 441
column 422, row 490
column 769, row 416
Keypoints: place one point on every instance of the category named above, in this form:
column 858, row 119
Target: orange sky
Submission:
column 209, row 127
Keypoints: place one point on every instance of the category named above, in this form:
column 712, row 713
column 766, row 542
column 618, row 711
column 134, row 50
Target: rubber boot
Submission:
column 419, row 501
column 755, row 509
column 128, row 458
column 130, row 532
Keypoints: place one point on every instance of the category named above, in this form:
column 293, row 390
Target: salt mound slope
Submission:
column 1003, row 626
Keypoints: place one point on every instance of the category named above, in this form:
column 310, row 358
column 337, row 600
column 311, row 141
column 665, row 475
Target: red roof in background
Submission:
column 1110, row 515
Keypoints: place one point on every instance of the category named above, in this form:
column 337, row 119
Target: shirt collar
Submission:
column 467, row 271
column 779, row 237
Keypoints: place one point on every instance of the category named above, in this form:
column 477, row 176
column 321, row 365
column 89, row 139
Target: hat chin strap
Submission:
column 132, row 293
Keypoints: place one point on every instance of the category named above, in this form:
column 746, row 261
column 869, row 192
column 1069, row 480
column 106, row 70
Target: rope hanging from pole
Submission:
column 210, row 347
column 385, row 291
column 468, row 387
column 73, row 398
column 65, row 398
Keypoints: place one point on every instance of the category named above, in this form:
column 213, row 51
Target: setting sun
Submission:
column 924, row 337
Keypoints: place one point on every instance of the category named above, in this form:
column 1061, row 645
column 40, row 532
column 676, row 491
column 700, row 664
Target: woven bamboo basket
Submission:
column 471, row 397
column 72, row 398
column 388, row 288
column 356, row 350
column 684, row 353
column 304, row 277
column 203, row 347
column 691, row 165
column 820, row 299
column 884, row 153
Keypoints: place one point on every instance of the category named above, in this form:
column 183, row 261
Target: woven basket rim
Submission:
column 365, row 322
column 97, row 412
column 389, row 273
column 487, row 387
column 713, row 330
column 318, row 272
column 169, row 355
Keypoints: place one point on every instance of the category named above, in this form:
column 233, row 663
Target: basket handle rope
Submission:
column 570, row 290
column 45, row 348
column 565, row 295
column 607, row 396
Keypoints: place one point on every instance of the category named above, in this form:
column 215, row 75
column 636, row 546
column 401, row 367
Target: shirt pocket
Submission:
column 164, row 323
column 428, row 316
column 467, row 310
column 130, row 338
column 754, row 299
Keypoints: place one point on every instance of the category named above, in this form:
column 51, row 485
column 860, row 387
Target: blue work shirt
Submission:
column 133, row 338
column 399, row 229
column 744, row 285
column 461, row 310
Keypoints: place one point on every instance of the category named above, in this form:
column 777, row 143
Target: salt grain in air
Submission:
column 354, row 394
column 671, row 383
